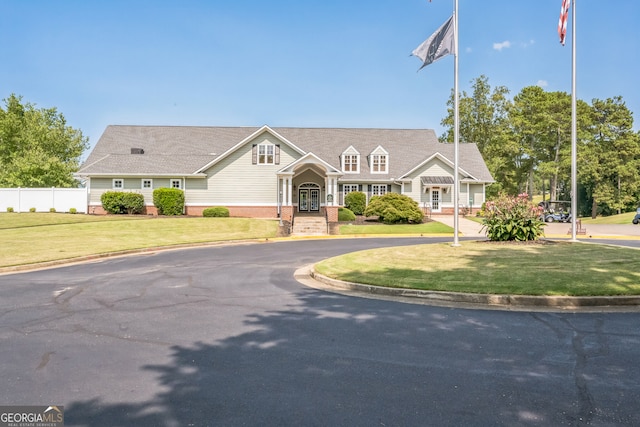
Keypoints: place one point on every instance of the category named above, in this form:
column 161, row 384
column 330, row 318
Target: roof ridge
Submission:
column 273, row 127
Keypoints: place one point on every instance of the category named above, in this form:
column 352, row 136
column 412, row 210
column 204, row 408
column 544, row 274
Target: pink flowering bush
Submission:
column 510, row 218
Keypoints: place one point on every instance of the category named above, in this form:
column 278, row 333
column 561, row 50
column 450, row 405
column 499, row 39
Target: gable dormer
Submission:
column 350, row 160
column 379, row 160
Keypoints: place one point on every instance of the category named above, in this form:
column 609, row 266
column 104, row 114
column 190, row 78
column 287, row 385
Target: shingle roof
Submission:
column 182, row 150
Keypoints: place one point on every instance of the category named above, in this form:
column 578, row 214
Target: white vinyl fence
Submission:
column 43, row 199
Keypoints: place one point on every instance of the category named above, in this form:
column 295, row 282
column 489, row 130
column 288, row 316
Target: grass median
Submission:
column 29, row 238
column 432, row 227
column 552, row 268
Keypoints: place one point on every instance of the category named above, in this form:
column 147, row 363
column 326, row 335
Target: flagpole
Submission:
column 456, row 128
column 574, row 120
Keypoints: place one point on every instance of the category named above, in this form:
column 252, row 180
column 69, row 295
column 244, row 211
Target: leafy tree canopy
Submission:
column 526, row 144
column 37, row 147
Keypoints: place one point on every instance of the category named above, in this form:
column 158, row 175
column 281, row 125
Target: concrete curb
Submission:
column 506, row 302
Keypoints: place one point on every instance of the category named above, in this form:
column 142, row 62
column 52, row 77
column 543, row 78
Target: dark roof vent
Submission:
column 137, row 151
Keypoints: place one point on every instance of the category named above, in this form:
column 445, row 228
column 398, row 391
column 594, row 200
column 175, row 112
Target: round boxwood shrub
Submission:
column 122, row 202
column 356, row 202
column 169, row 201
column 345, row 214
column 216, row 212
column 394, row 208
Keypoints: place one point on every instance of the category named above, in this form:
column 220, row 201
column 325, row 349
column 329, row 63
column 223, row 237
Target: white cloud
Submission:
column 542, row 83
column 503, row 45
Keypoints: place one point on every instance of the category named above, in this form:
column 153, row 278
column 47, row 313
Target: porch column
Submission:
column 290, row 191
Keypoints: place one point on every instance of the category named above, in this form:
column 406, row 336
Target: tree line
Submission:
column 37, row 146
column 526, row 143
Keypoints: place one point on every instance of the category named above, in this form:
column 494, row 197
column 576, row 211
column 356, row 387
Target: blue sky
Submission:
column 307, row 63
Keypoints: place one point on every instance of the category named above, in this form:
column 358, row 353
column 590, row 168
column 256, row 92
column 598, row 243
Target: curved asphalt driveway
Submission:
column 226, row 336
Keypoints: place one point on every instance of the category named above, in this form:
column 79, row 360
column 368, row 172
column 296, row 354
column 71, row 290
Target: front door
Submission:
column 303, row 201
column 309, row 199
column 435, row 200
column 314, row 197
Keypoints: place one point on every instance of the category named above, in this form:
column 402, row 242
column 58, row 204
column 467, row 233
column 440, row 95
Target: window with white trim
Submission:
column 350, row 163
column 147, row 184
column 348, row 188
column 266, row 154
column 176, row 183
column 379, row 163
column 378, row 189
column 118, row 184
column 350, row 160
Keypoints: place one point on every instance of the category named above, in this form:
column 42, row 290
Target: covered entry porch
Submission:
column 308, row 187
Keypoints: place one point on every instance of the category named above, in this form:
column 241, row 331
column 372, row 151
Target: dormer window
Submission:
column 379, row 160
column 351, row 160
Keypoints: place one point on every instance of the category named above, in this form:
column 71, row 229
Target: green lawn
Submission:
column 36, row 237
column 433, row 227
column 36, row 219
column 483, row 267
column 624, row 218
column 561, row 268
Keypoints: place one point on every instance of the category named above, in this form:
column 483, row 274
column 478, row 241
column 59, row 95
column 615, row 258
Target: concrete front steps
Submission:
column 309, row 226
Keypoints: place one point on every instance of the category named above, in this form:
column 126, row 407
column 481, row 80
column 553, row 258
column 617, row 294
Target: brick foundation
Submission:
column 449, row 211
column 332, row 213
column 238, row 211
column 99, row 210
column 286, row 213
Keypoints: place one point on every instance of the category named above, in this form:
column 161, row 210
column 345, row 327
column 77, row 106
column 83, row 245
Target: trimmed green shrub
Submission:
column 169, row 201
column 356, row 202
column 216, row 212
column 394, row 208
column 73, row 211
column 122, row 202
column 52, row 210
column 32, row 209
column 509, row 218
column 9, row 209
column 345, row 214
column 133, row 203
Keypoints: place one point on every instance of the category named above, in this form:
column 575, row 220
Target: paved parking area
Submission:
column 226, row 336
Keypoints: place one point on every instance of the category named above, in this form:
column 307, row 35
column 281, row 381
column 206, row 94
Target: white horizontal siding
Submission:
column 235, row 180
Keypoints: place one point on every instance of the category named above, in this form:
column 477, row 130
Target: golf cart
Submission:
column 555, row 211
column 636, row 219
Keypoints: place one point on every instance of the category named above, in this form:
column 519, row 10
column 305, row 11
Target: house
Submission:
column 279, row 172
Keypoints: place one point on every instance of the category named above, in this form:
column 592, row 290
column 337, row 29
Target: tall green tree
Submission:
column 541, row 122
column 526, row 143
column 610, row 158
column 37, row 147
column 484, row 121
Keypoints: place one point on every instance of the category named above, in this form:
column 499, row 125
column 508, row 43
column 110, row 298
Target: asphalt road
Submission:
column 225, row 336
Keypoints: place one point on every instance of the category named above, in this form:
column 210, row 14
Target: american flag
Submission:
column 562, row 23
